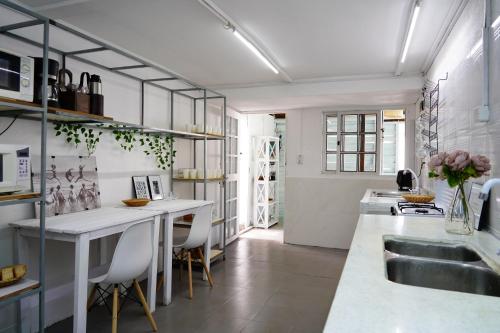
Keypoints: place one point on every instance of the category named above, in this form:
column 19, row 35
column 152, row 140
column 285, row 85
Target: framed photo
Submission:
column 155, row 187
column 141, row 187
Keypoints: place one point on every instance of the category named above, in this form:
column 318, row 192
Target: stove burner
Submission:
column 419, row 208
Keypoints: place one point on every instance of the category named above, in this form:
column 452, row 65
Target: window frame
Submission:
column 338, row 152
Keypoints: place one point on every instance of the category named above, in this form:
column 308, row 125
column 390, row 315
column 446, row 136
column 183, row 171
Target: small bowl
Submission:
column 418, row 198
column 16, row 273
column 136, row 202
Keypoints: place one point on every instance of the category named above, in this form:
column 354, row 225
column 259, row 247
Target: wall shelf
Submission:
column 201, row 180
column 265, row 199
column 19, row 198
column 18, row 289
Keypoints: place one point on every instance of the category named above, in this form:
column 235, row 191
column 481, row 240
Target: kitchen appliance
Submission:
column 15, row 168
column 417, row 209
column 96, row 97
column 52, row 89
column 16, row 76
column 404, row 180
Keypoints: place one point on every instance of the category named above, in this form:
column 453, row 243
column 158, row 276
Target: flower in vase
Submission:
column 458, row 160
column 436, row 165
column 481, row 164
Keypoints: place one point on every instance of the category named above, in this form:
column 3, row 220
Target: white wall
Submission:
column 115, row 169
column 322, row 209
column 461, row 94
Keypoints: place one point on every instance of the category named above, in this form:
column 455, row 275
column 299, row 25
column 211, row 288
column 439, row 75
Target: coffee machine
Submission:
column 52, row 92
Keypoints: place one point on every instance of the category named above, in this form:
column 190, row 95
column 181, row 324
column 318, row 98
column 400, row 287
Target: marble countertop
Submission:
column 365, row 301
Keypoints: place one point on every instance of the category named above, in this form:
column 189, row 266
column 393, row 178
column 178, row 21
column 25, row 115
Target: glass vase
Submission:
column 459, row 216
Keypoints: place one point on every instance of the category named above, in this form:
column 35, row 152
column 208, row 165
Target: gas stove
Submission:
column 417, row 209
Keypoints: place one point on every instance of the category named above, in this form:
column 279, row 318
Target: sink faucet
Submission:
column 417, row 182
column 485, row 190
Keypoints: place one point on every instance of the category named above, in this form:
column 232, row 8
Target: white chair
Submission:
column 198, row 235
column 133, row 255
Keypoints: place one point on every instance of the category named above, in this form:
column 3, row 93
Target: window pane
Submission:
column 349, row 162
column 350, row 143
column 370, row 123
column 331, row 124
column 331, row 142
column 393, row 142
column 369, row 143
column 367, row 162
column 331, row 162
column 350, row 123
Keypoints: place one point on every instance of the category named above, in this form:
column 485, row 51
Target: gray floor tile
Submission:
column 262, row 286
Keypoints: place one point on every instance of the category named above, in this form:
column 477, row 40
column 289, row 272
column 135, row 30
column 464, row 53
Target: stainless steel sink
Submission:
column 429, row 249
column 439, row 265
column 446, row 275
column 387, row 194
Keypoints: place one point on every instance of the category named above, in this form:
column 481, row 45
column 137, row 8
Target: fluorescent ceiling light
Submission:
column 416, row 11
column 255, row 51
column 496, row 22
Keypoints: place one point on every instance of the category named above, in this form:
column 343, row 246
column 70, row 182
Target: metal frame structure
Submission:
column 187, row 89
column 42, row 110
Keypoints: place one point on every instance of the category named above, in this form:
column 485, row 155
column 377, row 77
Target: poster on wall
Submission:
column 72, row 184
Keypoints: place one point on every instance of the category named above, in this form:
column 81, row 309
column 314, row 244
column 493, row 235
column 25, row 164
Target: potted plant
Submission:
column 457, row 167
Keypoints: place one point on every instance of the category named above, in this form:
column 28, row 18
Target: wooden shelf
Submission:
column 189, row 180
column 182, row 223
column 11, row 107
column 18, row 288
column 19, row 198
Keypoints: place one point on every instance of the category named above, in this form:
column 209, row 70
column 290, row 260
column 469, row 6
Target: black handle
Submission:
column 84, row 75
column 62, row 76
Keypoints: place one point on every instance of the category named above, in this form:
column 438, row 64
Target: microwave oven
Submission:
column 15, row 168
column 16, row 76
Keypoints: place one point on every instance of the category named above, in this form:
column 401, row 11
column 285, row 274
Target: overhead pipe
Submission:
column 484, row 112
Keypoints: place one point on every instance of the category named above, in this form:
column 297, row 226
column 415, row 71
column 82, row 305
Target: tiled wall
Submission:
column 461, row 94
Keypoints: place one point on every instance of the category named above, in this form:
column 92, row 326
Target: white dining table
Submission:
column 170, row 210
column 80, row 228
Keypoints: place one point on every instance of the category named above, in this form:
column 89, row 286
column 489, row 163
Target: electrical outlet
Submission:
column 300, row 159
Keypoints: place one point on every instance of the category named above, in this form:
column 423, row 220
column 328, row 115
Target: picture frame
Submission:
column 141, row 187
column 155, row 187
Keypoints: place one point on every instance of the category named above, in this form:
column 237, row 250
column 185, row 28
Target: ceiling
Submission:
column 308, row 40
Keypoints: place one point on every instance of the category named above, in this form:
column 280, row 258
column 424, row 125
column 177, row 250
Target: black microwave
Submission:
column 16, row 76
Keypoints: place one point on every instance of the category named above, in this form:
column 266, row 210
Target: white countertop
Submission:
column 365, row 301
column 371, row 204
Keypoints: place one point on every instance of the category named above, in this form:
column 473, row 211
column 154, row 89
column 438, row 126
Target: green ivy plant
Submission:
column 161, row 147
column 76, row 133
column 125, row 138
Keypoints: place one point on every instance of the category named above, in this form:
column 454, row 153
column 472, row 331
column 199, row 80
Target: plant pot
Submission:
column 459, row 216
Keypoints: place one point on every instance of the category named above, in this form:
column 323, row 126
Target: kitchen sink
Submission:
column 386, row 194
column 445, row 275
column 439, row 265
column 430, row 249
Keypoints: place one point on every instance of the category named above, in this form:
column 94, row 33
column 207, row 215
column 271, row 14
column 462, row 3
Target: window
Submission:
column 351, row 142
column 393, row 158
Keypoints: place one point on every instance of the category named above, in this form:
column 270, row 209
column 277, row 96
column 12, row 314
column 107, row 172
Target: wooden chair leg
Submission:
column 145, row 306
column 209, row 275
column 90, row 300
column 159, row 284
column 114, row 325
column 190, row 275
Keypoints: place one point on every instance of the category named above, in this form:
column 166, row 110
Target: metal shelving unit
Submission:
column 29, row 287
column 132, row 67
column 265, row 199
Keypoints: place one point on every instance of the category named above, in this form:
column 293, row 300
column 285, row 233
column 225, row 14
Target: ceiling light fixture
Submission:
column 228, row 24
column 416, row 12
column 255, row 51
column 496, row 22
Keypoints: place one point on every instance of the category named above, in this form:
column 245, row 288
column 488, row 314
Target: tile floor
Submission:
column 262, row 286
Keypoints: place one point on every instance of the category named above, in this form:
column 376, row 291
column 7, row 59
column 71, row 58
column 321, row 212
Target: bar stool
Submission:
column 133, row 255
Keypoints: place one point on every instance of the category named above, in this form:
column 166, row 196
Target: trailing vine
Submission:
column 125, row 138
column 158, row 146
column 73, row 135
column 161, row 147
